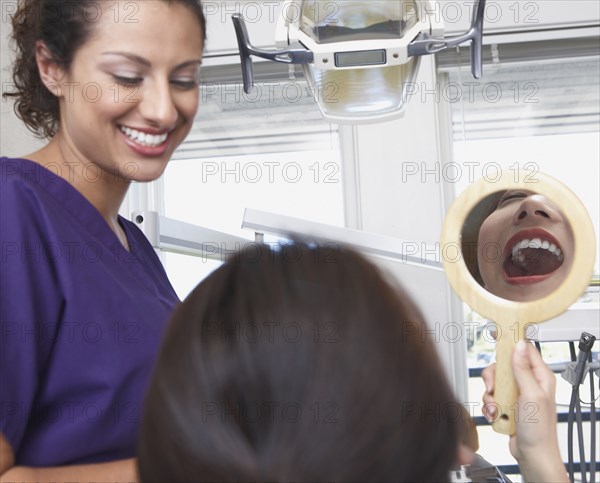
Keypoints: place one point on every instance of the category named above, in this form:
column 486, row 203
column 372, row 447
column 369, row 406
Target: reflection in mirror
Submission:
column 518, row 245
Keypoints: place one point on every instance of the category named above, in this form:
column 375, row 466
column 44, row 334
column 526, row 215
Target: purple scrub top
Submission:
column 81, row 322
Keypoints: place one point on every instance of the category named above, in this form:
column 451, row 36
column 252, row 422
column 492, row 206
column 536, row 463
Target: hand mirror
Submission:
column 518, row 250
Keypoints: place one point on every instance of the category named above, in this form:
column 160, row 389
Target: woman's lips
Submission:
column 531, row 256
column 145, row 143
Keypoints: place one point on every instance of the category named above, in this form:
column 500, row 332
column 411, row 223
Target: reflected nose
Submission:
column 157, row 105
column 535, row 207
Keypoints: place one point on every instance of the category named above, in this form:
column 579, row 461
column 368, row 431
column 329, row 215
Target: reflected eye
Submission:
column 511, row 196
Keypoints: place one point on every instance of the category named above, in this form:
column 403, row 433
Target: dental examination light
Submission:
column 359, row 57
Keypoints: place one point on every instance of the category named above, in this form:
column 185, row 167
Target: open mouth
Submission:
column 531, row 257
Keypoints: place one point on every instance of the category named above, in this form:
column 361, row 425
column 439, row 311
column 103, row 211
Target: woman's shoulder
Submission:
column 20, row 176
column 21, row 193
column 26, row 184
column 30, row 200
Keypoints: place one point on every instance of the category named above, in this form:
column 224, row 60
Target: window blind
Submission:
column 279, row 115
column 527, row 89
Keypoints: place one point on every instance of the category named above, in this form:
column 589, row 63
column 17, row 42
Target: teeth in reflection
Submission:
column 519, row 257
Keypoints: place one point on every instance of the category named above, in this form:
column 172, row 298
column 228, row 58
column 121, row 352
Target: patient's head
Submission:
column 525, row 246
column 296, row 364
column 537, row 247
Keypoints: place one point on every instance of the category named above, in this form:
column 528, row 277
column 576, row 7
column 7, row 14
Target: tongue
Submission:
column 536, row 261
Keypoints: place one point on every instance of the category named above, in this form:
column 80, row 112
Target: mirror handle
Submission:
column 506, row 391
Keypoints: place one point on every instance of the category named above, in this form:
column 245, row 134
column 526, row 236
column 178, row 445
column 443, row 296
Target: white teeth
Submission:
column 143, row 138
column 519, row 257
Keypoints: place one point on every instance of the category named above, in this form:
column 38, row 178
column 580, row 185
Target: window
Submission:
column 268, row 150
column 536, row 108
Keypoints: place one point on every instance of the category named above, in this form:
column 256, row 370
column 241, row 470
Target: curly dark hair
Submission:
column 64, row 26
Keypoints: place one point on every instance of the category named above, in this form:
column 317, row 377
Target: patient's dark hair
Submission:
column 470, row 231
column 298, row 364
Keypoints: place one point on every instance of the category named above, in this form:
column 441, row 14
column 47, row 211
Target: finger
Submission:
column 488, row 375
column 523, row 369
column 488, row 399
column 490, row 411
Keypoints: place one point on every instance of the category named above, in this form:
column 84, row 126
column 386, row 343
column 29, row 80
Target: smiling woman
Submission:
column 84, row 297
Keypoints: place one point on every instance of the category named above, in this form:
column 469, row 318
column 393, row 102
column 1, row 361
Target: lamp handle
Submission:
column 425, row 44
column 296, row 54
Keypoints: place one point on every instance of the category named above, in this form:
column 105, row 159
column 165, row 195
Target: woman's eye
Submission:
column 185, row 84
column 128, row 81
column 508, row 197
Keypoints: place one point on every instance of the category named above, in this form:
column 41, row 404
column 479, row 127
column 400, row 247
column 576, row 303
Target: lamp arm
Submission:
column 424, row 44
column 296, row 54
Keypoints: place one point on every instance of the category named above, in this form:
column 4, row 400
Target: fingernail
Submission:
column 521, row 348
column 491, row 412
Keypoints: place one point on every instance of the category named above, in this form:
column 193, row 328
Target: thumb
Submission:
column 522, row 367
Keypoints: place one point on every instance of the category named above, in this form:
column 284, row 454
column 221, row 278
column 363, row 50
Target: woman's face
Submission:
column 131, row 93
column 525, row 247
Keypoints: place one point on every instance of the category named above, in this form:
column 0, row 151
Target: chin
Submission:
column 149, row 171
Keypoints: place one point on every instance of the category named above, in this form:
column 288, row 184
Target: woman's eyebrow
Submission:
column 132, row 57
column 146, row 63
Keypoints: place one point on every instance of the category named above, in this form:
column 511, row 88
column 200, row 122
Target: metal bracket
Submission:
column 295, row 54
column 424, row 44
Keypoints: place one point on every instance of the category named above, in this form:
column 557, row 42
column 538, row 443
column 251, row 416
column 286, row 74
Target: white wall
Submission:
column 15, row 139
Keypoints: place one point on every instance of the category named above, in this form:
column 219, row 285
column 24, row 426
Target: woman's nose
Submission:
column 535, row 207
column 157, row 105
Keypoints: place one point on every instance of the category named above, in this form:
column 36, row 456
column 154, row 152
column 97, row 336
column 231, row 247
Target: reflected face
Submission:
column 525, row 247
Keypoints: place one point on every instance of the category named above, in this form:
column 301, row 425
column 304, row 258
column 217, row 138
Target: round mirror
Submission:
column 517, row 244
column 518, row 250
column 522, row 243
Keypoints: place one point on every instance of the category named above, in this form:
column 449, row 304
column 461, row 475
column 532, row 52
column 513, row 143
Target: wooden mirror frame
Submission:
column 492, row 306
